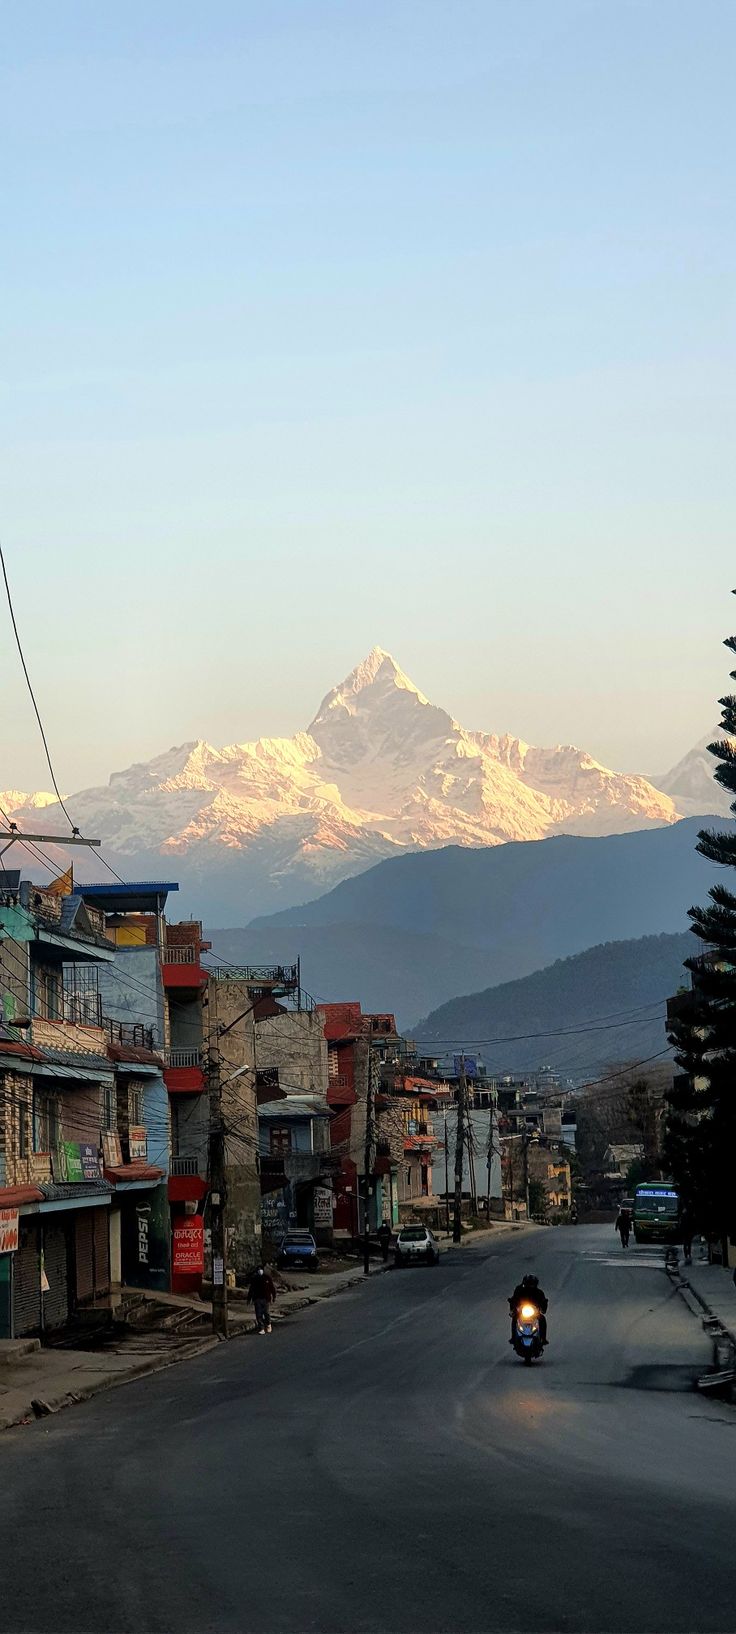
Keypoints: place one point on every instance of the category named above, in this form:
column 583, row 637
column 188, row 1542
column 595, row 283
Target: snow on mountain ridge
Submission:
column 380, row 769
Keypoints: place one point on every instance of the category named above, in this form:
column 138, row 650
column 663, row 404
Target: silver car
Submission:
column 416, row 1244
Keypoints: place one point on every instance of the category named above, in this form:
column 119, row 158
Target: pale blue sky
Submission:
column 395, row 321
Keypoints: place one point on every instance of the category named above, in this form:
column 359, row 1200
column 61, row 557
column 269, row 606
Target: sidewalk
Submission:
column 712, row 1288
column 34, row 1382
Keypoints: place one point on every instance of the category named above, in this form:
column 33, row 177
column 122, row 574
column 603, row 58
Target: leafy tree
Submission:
column 538, row 1200
column 701, row 1127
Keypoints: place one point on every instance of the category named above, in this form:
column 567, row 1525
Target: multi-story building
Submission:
column 296, row 1166
column 155, row 990
column 69, row 1181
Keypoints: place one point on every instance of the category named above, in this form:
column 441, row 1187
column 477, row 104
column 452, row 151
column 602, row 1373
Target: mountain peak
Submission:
column 378, row 663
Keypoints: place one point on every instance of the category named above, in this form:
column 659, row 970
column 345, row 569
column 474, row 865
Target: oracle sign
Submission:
column 188, row 1246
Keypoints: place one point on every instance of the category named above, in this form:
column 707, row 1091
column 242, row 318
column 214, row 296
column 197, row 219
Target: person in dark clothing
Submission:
column 528, row 1290
column 261, row 1293
column 687, row 1228
column 623, row 1226
column 384, row 1238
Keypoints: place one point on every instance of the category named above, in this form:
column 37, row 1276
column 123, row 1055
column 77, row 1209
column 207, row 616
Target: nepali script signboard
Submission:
column 188, row 1246
column 8, row 1230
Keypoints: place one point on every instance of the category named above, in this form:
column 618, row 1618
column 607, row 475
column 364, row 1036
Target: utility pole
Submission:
column 525, row 1139
column 447, row 1179
column 368, row 1160
column 217, row 1197
column 459, row 1146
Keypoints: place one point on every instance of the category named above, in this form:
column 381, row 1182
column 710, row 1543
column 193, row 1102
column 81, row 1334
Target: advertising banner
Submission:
column 9, row 1229
column 188, row 1246
column 137, row 1143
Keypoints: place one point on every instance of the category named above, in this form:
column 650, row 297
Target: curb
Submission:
column 722, row 1338
column 44, row 1407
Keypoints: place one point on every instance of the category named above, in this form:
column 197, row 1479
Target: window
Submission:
column 23, row 1121
column 135, row 1105
column 46, row 996
column 109, row 1108
column 280, row 1141
column 47, row 1123
column 408, row 1179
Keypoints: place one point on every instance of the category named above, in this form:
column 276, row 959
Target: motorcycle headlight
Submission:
column 528, row 1313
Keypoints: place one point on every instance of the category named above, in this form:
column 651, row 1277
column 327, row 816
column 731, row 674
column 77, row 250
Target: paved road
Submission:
column 384, row 1463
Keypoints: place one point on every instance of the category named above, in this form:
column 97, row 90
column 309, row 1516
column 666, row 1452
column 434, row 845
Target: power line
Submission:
column 57, row 790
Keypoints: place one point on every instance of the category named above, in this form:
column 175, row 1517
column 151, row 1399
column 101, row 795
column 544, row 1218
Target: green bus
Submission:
column 656, row 1212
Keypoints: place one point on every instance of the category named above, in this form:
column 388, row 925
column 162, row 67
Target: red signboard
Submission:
column 188, row 1246
column 8, row 1230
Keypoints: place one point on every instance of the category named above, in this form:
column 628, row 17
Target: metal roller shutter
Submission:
column 84, row 1243
column 27, row 1281
column 56, row 1300
column 101, row 1220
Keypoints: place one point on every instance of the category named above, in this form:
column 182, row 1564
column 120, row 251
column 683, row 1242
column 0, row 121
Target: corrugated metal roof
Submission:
column 61, row 1191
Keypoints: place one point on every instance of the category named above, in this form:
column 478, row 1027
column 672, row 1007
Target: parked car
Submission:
column 416, row 1242
column 298, row 1251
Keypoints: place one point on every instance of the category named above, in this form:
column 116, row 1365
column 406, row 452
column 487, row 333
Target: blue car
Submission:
column 298, row 1251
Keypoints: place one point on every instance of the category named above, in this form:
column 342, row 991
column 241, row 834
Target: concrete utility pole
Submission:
column 447, row 1180
column 459, row 1147
column 217, row 1197
column 368, row 1159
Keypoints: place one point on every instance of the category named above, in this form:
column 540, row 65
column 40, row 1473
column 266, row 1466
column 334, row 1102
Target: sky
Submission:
column 327, row 323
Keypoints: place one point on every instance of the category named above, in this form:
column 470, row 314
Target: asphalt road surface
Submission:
column 384, row 1462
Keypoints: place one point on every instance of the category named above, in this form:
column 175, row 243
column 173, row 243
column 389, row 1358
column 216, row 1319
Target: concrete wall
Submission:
column 14, row 970
column 227, row 1000
column 295, row 1043
column 132, row 990
column 157, row 1120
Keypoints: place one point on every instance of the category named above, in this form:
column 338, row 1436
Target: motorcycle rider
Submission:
column 528, row 1290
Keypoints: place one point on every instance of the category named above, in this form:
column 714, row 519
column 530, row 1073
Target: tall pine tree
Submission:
column 701, row 1126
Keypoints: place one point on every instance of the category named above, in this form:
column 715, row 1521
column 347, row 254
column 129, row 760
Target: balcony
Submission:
column 181, row 966
column 187, row 1179
column 185, row 1166
column 286, row 976
column 130, row 1034
column 184, row 1071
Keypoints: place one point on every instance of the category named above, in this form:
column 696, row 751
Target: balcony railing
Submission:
column 259, row 975
column 186, row 955
column 189, row 1166
column 83, row 1009
column 130, row 1034
column 182, row 1058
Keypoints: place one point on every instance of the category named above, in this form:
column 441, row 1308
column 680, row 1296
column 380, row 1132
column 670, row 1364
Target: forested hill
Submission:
column 614, row 993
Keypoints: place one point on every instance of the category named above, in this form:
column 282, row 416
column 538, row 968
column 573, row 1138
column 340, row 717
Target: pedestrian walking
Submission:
column 687, row 1227
column 261, row 1294
column 384, row 1238
column 623, row 1226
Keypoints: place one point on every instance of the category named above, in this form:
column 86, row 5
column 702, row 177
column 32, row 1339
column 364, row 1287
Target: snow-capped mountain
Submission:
column 12, row 800
column 380, row 769
column 691, row 783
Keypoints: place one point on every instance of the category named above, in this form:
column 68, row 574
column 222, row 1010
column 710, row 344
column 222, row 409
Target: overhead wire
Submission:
column 37, row 712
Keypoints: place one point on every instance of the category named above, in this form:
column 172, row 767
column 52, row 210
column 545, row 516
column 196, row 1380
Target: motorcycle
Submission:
column 527, row 1340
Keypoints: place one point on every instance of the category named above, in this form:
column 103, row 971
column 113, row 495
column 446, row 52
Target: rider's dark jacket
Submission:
column 535, row 1296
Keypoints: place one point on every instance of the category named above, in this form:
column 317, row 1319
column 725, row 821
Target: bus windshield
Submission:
column 656, row 1202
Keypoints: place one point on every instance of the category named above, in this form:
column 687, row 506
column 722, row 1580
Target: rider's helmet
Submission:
column 530, row 1281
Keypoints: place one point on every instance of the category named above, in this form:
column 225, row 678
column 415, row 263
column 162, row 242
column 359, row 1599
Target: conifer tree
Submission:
column 701, row 1128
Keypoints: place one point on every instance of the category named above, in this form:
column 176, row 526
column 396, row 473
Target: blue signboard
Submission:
column 471, row 1066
